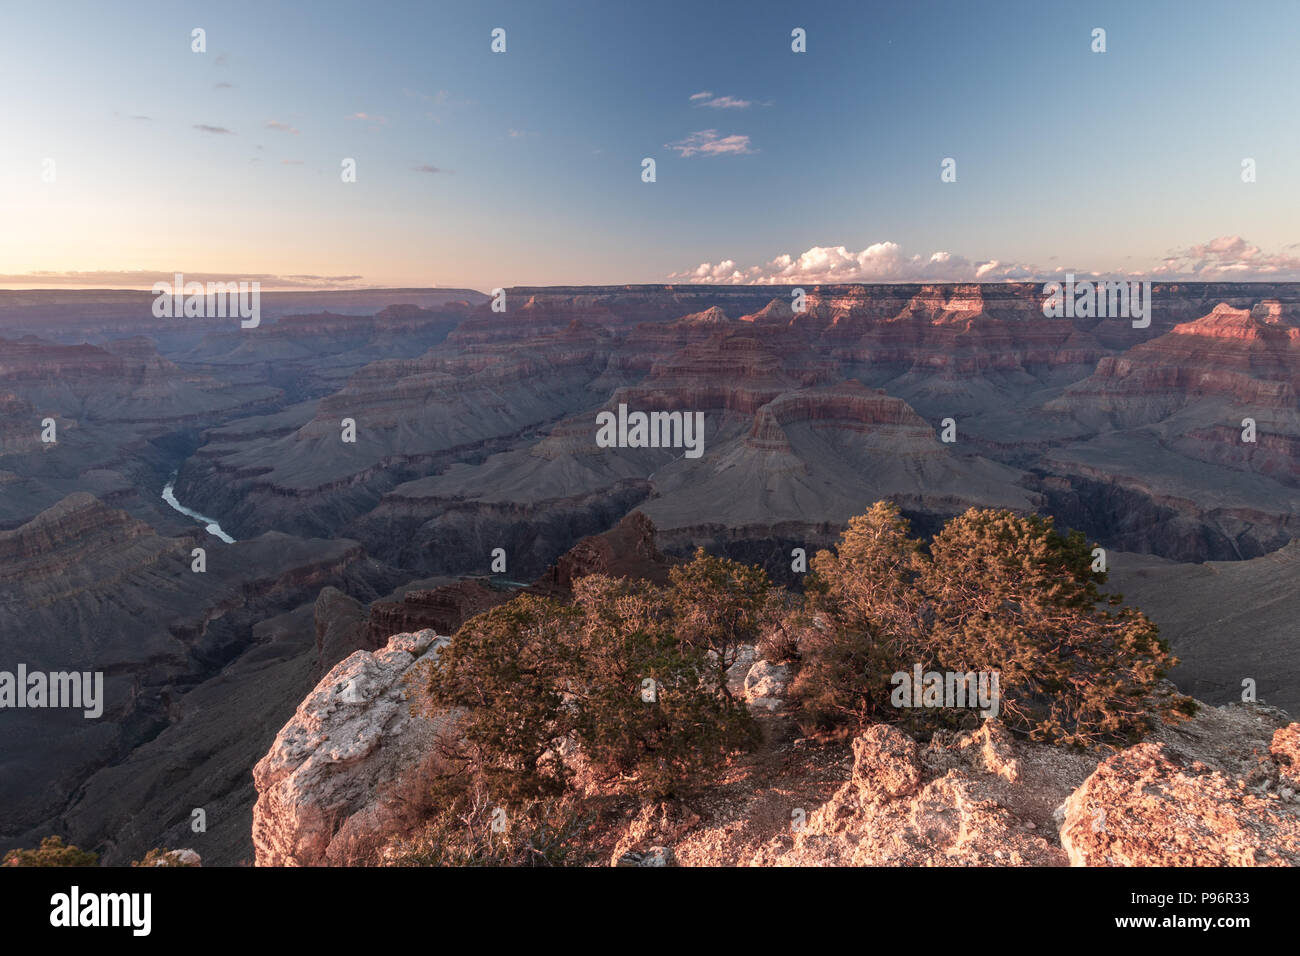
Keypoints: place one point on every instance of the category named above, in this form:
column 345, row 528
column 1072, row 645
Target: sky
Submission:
column 127, row 156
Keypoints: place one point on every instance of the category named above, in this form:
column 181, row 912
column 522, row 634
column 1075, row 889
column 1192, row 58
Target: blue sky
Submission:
column 1066, row 159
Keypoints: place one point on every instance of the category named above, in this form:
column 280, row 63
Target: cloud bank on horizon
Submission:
column 1226, row 258
column 145, row 278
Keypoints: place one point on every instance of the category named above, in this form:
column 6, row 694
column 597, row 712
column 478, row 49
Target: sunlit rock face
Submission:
column 332, row 780
column 336, row 788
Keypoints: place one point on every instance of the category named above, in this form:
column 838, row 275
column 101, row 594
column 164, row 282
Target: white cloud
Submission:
column 1226, row 258
column 880, row 262
column 721, row 102
column 707, row 142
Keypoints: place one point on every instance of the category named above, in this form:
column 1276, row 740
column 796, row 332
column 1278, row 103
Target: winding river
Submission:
column 169, row 496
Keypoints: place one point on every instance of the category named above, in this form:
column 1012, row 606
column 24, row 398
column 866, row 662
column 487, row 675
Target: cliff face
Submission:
column 1161, row 436
column 1219, row 789
column 486, row 436
column 442, row 609
column 1251, row 359
column 87, row 587
column 125, row 382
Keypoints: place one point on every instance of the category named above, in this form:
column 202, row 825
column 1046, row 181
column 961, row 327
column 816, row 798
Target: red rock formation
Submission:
column 442, row 609
column 1229, row 353
column 625, row 551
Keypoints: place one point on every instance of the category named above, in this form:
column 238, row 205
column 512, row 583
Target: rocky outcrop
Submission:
column 1285, row 750
column 184, row 857
column 949, row 804
column 343, row 769
column 1216, row 789
column 625, row 551
column 647, row 838
column 442, row 609
column 1146, row 807
column 1210, row 791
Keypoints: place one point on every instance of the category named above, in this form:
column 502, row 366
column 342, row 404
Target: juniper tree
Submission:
column 1009, row 593
column 863, row 608
column 506, row 670
column 719, row 605
column 650, row 706
column 533, row 677
column 996, row 592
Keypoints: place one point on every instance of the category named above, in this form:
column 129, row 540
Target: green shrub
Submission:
column 1011, row 594
column 161, row 857
column 864, row 608
column 52, row 852
column 684, row 733
column 997, row 592
column 535, row 678
column 718, row 605
column 508, row 669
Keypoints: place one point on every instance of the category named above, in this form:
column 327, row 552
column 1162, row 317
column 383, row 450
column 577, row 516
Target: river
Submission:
column 169, row 496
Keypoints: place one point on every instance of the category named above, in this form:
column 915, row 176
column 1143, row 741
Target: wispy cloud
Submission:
column 219, row 130
column 281, row 127
column 707, row 142
column 223, row 86
column 291, row 162
column 145, row 278
column 706, row 98
column 369, row 118
column 426, row 168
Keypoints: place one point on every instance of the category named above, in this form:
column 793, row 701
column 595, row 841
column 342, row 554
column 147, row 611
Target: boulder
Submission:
column 768, row 684
column 886, row 763
column 996, row 748
column 333, row 780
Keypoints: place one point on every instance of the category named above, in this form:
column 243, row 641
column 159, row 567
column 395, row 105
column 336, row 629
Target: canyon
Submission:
column 476, row 431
